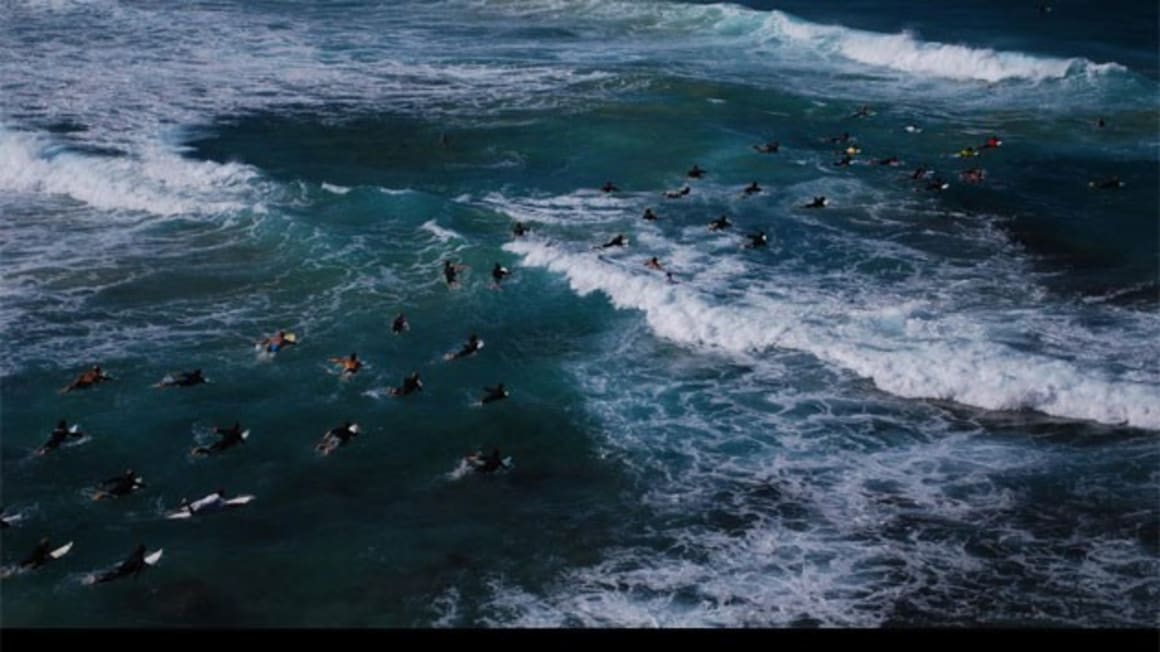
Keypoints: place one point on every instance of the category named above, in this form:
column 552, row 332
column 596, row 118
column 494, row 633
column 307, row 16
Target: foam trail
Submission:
column 158, row 181
column 444, row 235
column 905, row 351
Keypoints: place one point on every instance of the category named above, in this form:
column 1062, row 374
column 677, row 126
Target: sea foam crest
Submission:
column 915, row 354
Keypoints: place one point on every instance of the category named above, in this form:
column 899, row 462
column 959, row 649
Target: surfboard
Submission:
column 153, row 558
column 457, row 355
column 61, row 551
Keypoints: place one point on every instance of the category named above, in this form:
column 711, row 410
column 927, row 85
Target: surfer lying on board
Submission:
column 486, row 463
column 214, row 500
column 818, row 202
column 520, row 229
column 350, row 366
column 183, row 379
column 757, row 240
column 277, row 341
column 497, row 393
column 131, row 566
column 121, row 485
column 400, row 324
column 472, row 346
column 768, row 148
column 88, row 379
column 720, row 224
column 499, row 273
column 752, row 188
column 40, row 556
column 58, row 436
column 675, row 194
column 649, row 215
column 653, row 263
column 617, row 241
column 230, row 437
column 338, row 436
column 696, row 172
column 411, row 384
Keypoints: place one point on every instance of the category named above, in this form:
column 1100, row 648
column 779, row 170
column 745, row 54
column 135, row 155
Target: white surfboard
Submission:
column 154, row 557
column 61, row 551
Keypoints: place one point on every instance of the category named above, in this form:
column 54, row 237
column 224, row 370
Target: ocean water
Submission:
column 913, row 408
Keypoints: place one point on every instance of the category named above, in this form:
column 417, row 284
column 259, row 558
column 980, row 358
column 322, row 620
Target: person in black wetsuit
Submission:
column 499, row 273
column 183, row 379
column 497, row 393
column 131, row 566
column 487, row 463
column 58, row 437
column 696, row 172
column 752, row 188
column 411, row 384
column 400, row 324
column 617, row 241
column 230, row 437
column 757, row 240
column 121, row 485
column 720, row 224
column 40, row 555
column 649, row 215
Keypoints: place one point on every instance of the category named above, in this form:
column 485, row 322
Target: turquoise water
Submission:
column 913, row 408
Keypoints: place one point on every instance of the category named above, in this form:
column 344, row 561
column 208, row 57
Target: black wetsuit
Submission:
column 188, row 379
column 131, row 566
column 450, row 274
column 498, row 273
column 121, row 485
column 230, row 437
column 399, row 325
column 341, row 434
column 410, row 384
column 494, row 394
column 471, row 347
column 57, row 437
column 489, row 463
column 757, row 240
column 39, row 556
column 720, row 223
column 618, row 241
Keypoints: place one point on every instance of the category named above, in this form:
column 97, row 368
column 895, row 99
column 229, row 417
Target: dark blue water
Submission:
column 911, row 408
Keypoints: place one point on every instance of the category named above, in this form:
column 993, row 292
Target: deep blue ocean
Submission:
column 914, row 407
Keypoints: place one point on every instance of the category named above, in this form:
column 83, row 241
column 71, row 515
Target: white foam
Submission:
column 442, row 234
column 335, row 189
column 158, row 181
column 911, row 350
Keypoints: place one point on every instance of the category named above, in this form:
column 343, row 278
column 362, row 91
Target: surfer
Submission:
column 720, row 224
column 350, row 366
column 757, row 240
column 973, row 175
column 1110, row 183
column 212, row 501
column 473, row 345
column 88, row 379
column 844, row 161
column 769, row 148
column 936, row 184
column 653, row 263
column 992, row 143
column 230, row 437
column 121, row 485
column 131, row 566
column 451, row 273
column 276, row 341
column 497, row 393
column 499, row 273
column 862, row 112
column 649, row 215
column 486, row 463
column 338, row 436
column 520, row 229
column 609, row 187
column 818, row 202
column 40, row 556
column 400, row 324
column 920, row 172
column 844, row 138
column 696, row 172
column 676, row 194
column 617, row 241
column 58, row 437
column 891, row 161
column 183, row 379
column 967, row 152
column 411, row 384
column 751, row 189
